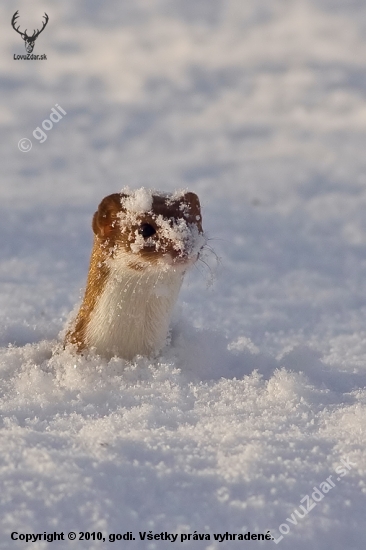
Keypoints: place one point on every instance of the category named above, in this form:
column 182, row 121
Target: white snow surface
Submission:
column 259, row 107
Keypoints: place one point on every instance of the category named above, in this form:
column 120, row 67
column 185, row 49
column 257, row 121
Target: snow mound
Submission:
column 91, row 445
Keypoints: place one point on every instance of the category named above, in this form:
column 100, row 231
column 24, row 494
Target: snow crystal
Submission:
column 137, row 201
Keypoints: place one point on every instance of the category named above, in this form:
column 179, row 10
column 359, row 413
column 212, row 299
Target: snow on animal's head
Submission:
column 144, row 228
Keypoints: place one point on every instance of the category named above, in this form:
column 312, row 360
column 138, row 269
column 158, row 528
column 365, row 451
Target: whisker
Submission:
column 218, row 259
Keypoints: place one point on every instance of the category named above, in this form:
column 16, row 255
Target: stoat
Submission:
column 144, row 242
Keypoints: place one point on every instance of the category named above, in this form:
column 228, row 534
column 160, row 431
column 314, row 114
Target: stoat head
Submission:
column 143, row 228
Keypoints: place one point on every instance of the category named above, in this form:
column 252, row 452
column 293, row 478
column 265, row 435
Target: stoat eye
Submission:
column 146, row 230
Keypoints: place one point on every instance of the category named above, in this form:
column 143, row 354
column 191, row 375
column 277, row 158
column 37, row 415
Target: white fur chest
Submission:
column 131, row 317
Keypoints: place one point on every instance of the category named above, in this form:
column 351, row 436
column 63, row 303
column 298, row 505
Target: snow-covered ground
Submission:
column 258, row 106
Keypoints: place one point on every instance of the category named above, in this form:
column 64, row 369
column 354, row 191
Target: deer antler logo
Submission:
column 28, row 40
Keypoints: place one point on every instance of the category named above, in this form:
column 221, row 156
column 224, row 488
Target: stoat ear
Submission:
column 105, row 218
column 193, row 212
